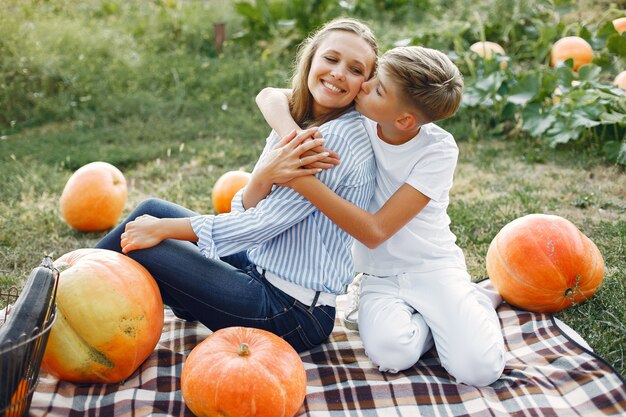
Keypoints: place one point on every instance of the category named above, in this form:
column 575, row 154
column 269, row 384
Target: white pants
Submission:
column 401, row 316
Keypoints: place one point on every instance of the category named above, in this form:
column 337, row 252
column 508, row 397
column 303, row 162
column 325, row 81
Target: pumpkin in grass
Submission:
column 571, row 47
column 242, row 372
column 543, row 263
column 225, row 189
column 488, row 50
column 109, row 317
column 94, row 197
column 620, row 24
column 620, row 80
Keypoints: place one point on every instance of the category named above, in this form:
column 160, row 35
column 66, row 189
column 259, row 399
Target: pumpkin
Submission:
column 571, row 47
column 19, row 400
column 488, row 50
column 109, row 317
column 620, row 24
column 242, row 372
column 94, row 197
column 543, row 263
column 620, row 80
column 226, row 187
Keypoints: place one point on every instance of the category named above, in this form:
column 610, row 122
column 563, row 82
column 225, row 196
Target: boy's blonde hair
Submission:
column 301, row 101
column 426, row 79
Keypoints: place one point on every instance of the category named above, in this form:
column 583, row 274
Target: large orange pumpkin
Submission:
column 109, row 317
column 571, row 47
column 543, row 263
column 620, row 24
column 225, row 189
column 242, row 372
column 94, row 197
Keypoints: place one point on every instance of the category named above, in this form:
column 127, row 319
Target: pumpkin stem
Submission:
column 244, row 349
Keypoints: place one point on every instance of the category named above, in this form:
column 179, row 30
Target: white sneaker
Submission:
column 350, row 321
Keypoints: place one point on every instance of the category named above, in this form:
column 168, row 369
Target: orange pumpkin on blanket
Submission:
column 109, row 317
column 240, row 372
column 543, row 263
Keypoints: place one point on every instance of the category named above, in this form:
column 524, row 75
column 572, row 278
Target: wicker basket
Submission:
column 18, row 379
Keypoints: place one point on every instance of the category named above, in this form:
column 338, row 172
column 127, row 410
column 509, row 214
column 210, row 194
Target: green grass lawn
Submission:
column 140, row 85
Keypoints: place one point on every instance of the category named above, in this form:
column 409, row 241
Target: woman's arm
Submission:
column 369, row 229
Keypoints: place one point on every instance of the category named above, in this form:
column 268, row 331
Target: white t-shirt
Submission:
column 426, row 243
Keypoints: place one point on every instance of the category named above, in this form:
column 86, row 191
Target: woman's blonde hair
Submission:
column 426, row 79
column 301, row 101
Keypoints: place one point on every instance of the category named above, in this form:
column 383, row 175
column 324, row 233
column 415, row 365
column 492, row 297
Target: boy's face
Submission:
column 379, row 99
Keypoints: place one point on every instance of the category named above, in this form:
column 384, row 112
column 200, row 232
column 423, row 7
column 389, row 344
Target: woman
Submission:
column 277, row 266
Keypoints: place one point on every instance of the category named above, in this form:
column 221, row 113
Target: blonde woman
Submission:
column 277, row 266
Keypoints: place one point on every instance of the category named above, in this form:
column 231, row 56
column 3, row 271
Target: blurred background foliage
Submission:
column 103, row 63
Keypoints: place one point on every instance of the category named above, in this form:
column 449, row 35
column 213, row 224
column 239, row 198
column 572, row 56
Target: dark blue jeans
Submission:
column 222, row 293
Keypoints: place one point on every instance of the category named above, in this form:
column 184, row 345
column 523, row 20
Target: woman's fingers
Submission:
column 301, row 137
column 308, row 160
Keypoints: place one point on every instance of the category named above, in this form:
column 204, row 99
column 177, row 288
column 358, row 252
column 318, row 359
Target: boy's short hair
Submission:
column 426, row 79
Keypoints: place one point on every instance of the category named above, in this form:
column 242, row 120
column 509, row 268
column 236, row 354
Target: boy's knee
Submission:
column 478, row 368
column 394, row 349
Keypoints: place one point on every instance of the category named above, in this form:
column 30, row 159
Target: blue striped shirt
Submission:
column 287, row 235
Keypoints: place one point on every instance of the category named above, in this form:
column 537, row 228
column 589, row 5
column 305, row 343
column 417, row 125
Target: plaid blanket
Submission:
column 546, row 374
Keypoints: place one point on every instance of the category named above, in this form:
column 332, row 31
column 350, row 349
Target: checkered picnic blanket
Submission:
column 546, row 374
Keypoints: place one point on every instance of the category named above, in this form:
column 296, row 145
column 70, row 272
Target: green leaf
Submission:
column 607, row 29
column 615, row 152
column 616, row 44
column 535, row 123
column 581, row 119
column 490, row 83
column 589, row 72
column 525, row 89
column 559, row 133
column 565, row 75
column 613, row 117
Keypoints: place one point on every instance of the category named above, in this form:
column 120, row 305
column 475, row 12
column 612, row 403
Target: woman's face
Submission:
column 343, row 61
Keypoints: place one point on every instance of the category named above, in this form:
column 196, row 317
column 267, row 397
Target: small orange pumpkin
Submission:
column 620, row 80
column 543, row 263
column 241, row 372
column 226, row 187
column 488, row 50
column 94, row 197
column 109, row 317
column 571, row 47
column 19, row 400
column 620, row 24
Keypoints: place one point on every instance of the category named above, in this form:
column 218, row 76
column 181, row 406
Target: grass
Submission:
column 182, row 114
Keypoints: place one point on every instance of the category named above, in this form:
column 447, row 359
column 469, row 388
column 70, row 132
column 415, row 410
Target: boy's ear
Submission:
column 406, row 121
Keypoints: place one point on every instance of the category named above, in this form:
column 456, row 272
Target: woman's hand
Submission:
column 142, row 233
column 296, row 155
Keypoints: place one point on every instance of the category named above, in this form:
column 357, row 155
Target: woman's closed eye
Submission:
column 357, row 70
